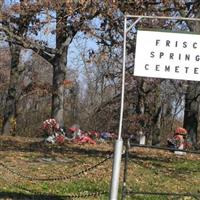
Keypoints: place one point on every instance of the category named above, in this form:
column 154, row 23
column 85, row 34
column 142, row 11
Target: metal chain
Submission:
column 88, row 194
column 163, row 148
column 194, row 195
column 55, row 178
column 38, row 194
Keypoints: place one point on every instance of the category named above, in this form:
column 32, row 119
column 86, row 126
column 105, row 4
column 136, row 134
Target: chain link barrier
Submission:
column 158, row 195
column 164, row 148
column 30, row 178
column 134, row 193
column 85, row 194
column 40, row 195
column 97, row 193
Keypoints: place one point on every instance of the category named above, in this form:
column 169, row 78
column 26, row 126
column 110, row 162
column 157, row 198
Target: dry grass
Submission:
column 148, row 170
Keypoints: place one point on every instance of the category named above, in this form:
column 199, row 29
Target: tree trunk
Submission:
column 156, row 124
column 192, row 110
column 59, row 66
column 59, row 73
column 9, row 120
column 191, row 113
column 74, row 103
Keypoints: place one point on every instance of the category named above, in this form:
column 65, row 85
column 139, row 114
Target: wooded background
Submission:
column 63, row 59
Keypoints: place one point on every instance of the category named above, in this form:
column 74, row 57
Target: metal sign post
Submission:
column 119, row 142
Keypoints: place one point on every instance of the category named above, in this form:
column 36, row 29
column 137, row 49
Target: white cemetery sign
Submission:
column 172, row 55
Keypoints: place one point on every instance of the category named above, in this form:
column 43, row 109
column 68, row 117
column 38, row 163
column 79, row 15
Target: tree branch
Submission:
column 45, row 52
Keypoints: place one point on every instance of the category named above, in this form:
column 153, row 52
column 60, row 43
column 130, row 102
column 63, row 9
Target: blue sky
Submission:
column 80, row 43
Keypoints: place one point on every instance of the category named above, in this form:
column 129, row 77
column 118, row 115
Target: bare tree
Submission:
column 71, row 17
column 191, row 113
column 23, row 21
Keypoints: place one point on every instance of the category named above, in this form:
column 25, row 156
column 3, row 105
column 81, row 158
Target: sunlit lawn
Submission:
column 70, row 166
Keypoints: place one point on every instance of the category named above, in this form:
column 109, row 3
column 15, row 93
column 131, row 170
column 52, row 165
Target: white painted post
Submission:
column 119, row 142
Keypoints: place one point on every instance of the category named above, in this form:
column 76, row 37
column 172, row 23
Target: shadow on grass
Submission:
column 21, row 196
column 38, row 145
column 42, row 147
column 133, row 156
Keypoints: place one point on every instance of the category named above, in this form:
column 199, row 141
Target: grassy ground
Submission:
column 23, row 160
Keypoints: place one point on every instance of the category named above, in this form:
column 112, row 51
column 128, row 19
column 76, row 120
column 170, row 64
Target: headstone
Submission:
column 180, row 152
column 142, row 138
